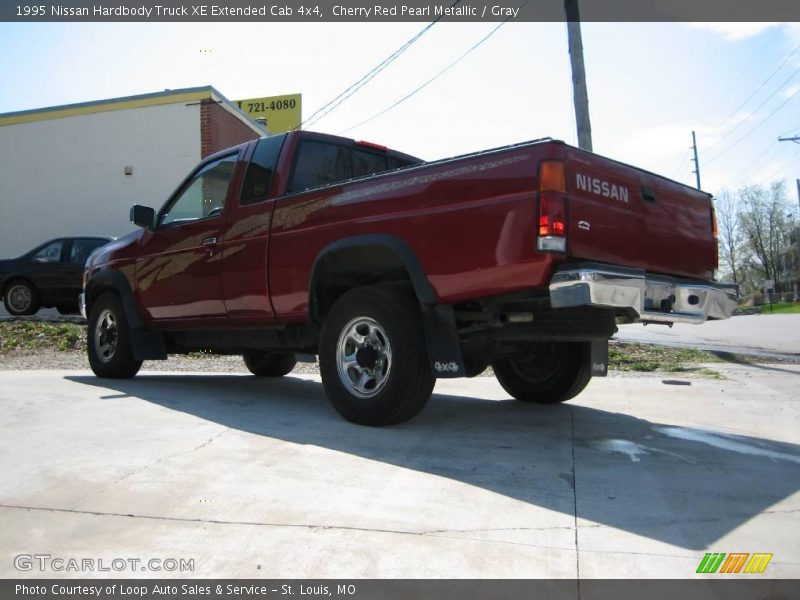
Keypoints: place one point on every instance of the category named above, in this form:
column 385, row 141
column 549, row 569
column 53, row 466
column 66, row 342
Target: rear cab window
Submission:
column 319, row 163
column 322, row 162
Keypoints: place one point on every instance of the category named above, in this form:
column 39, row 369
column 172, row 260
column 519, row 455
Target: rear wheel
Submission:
column 109, row 341
column 21, row 298
column 373, row 358
column 550, row 372
column 266, row 364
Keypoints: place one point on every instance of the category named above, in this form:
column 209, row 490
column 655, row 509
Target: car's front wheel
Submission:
column 109, row 341
column 549, row 372
column 21, row 298
column 373, row 358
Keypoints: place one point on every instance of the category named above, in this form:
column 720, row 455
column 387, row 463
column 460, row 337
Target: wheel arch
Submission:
column 383, row 258
column 363, row 260
column 147, row 344
column 110, row 280
column 15, row 277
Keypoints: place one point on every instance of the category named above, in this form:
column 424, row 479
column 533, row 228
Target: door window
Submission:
column 204, row 196
column 51, row 253
column 81, row 249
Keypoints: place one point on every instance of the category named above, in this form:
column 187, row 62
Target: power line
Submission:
column 429, row 81
column 759, row 107
column 757, row 164
column 758, row 89
column 676, row 171
column 759, row 124
column 784, row 166
column 352, row 89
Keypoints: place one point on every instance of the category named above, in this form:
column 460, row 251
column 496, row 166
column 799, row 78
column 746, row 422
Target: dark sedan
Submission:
column 50, row 275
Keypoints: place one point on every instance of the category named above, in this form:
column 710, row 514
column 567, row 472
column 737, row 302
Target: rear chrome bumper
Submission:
column 654, row 298
column 82, row 305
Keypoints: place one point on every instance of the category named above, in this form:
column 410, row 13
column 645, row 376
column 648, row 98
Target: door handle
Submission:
column 210, row 244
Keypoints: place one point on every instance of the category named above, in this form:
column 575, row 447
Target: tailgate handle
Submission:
column 648, row 195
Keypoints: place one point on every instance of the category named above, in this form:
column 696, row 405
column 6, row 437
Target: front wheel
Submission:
column 373, row 358
column 21, row 298
column 108, row 340
column 266, row 364
column 548, row 373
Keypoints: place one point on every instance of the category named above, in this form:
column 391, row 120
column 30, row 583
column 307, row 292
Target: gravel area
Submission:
column 76, row 360
column 54, row 359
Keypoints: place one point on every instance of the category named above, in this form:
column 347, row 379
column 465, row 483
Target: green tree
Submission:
column 765, row 225
column 733, row 248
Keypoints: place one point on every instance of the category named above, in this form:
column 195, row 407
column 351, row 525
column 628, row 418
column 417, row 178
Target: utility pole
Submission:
column 696, row 163
column 580, row 95
column 796, row 140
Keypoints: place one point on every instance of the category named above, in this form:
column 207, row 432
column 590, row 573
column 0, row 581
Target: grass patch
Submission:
column 645, row 358
column 31, row 335
column 781, row 308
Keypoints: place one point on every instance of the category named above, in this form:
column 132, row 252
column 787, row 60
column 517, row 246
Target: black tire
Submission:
column 265, row 364
column 390, row 317
column 21, row 298
column 108, row 340
column 67, row 309
column 551, row 372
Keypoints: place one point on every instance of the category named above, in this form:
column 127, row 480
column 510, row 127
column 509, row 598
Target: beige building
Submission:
column 77, row 169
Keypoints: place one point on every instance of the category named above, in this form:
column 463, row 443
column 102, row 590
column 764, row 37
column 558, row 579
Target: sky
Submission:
column 650, row 84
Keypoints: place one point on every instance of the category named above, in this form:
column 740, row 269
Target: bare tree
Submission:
column 763, row 215
column 733, row 250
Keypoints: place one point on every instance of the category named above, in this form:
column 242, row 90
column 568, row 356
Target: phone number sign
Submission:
column 282, row 113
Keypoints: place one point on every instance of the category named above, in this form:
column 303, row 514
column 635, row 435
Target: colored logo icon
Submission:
column 734, row 562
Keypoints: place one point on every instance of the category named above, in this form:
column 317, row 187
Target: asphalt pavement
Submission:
column 776, row 336
column 640, row 476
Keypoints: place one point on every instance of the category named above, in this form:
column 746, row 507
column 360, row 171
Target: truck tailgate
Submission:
column 625, row 216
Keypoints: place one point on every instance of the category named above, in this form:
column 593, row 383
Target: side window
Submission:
column 367, row 163
column 397, row 163
column 50, row 253
column 204, row 196
column 319, row 163
column 262, row 166
column 81, row 249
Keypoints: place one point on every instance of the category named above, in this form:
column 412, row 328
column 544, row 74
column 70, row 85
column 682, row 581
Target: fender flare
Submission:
column 438, row 320
column 422, row 287
column 146, row 343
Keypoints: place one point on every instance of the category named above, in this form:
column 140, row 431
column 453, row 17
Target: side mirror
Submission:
column 143, row 216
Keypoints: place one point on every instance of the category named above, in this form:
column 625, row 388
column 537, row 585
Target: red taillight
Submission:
column 551, row 214
column 552, row 227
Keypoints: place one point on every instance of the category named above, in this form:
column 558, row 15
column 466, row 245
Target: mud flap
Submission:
column 441, row 339
column 599, row 358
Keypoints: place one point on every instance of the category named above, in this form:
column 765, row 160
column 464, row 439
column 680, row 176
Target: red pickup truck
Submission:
column 396, row 271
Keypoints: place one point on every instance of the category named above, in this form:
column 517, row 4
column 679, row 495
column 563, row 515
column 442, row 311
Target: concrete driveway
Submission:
column 760, row 335
column 639, row 477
